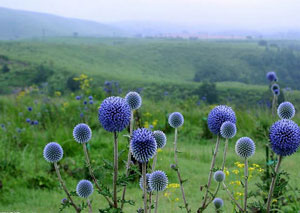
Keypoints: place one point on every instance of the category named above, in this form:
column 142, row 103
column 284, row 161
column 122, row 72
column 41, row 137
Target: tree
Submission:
column 207, row 91
column 5, row 69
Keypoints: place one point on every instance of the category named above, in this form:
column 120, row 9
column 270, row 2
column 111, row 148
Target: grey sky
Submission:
column 247, row 14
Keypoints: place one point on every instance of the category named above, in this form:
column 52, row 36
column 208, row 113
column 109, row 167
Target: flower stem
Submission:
column 88, row 163
column 144, row 186
column 178, row 173
column 224, row 155
column 115, row 170
column 90, row 206
column 153, row 168
column 156, row 202
column 77, row 209
column 232, row 198
column 246, row 184
column 128, row 158
column 211, row 170
column 273, row 183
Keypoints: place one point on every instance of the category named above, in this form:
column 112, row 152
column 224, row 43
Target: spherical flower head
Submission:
column 160, row 139
column 245, row 147
column 218, row 203
column 286, row 110
column 176, row 119
column 275, row 89
column 82, row 133
column 85, row 102
column 218, row 116
column 219, row 176
column 29, row 109
column 284, row 137
column 228, row 130
column 53, row 152
column 114, row 114
column 28, row 120
column 134, row 100
column 143, row 145
column 158, row 181
column 84, row 188
column 147, row 181
column 64, row 201
column 90, row 97
column 91, row 102
column 78, row 97
column 271, row 76
column 35, row 122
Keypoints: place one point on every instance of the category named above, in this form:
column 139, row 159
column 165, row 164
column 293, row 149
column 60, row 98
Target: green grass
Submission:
column 28, row 175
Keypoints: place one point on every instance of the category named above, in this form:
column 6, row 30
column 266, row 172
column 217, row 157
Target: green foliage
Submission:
column 207, row 92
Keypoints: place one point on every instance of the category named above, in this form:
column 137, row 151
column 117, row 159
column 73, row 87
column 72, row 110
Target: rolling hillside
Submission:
column 16, row 24
column 157, row 65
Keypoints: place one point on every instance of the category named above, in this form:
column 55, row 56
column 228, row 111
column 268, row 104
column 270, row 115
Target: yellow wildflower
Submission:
column 235, row 171
column 240, row 165
column 159, row 150
column 146, row 124
column 176, row 199
column 58, row 93
column 251, row 168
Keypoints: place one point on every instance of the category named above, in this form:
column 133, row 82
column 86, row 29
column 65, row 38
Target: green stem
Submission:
column 144, row 186
column 115, row 178
column 178, row 173
column 213, row 161
column 88, row 164
column 273, row 184
column 156, row 202
column 128, row 158
column 62, row 183
column 90, row 206
column 232, row 198
column 246, row 184
column 224, row 155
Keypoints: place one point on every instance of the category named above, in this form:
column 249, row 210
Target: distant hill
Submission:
column 17, row 24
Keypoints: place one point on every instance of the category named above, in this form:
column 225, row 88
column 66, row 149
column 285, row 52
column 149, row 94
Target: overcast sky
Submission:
column 247, row 14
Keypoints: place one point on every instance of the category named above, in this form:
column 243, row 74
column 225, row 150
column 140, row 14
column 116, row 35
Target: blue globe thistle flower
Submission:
column 284, row 137
column 91, row 102
column 90, row 97
column 64, row 201
column 245, row 147
column 84, row 188
column 134, row 100
column 160, row 139
column 147, row 181
column 35, row 122
column 276, row 92
column 158, row 181
column 228, row 129
column 275, row 89
column 143, row 145
column 29, row 109
column 85, row 102
column 271, row 76
column 218, row 116
column 218, row 203
column 81, row 115
column 219, row 176
column 114, row 114
column 78, row 97
column 32, row 123
column 53, row 152
column 286, row 110
column 82, row 133
column 28, row 120
column 176, row 119
column 2, row 126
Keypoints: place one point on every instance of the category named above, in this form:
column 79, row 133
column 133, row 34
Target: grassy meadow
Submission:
column 29, row 183
column 171, row 75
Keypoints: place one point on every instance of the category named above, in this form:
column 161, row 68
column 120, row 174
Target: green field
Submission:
column 30, row 183
column 171, row 74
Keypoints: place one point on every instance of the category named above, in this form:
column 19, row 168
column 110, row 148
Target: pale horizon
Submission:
column 257, row 15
